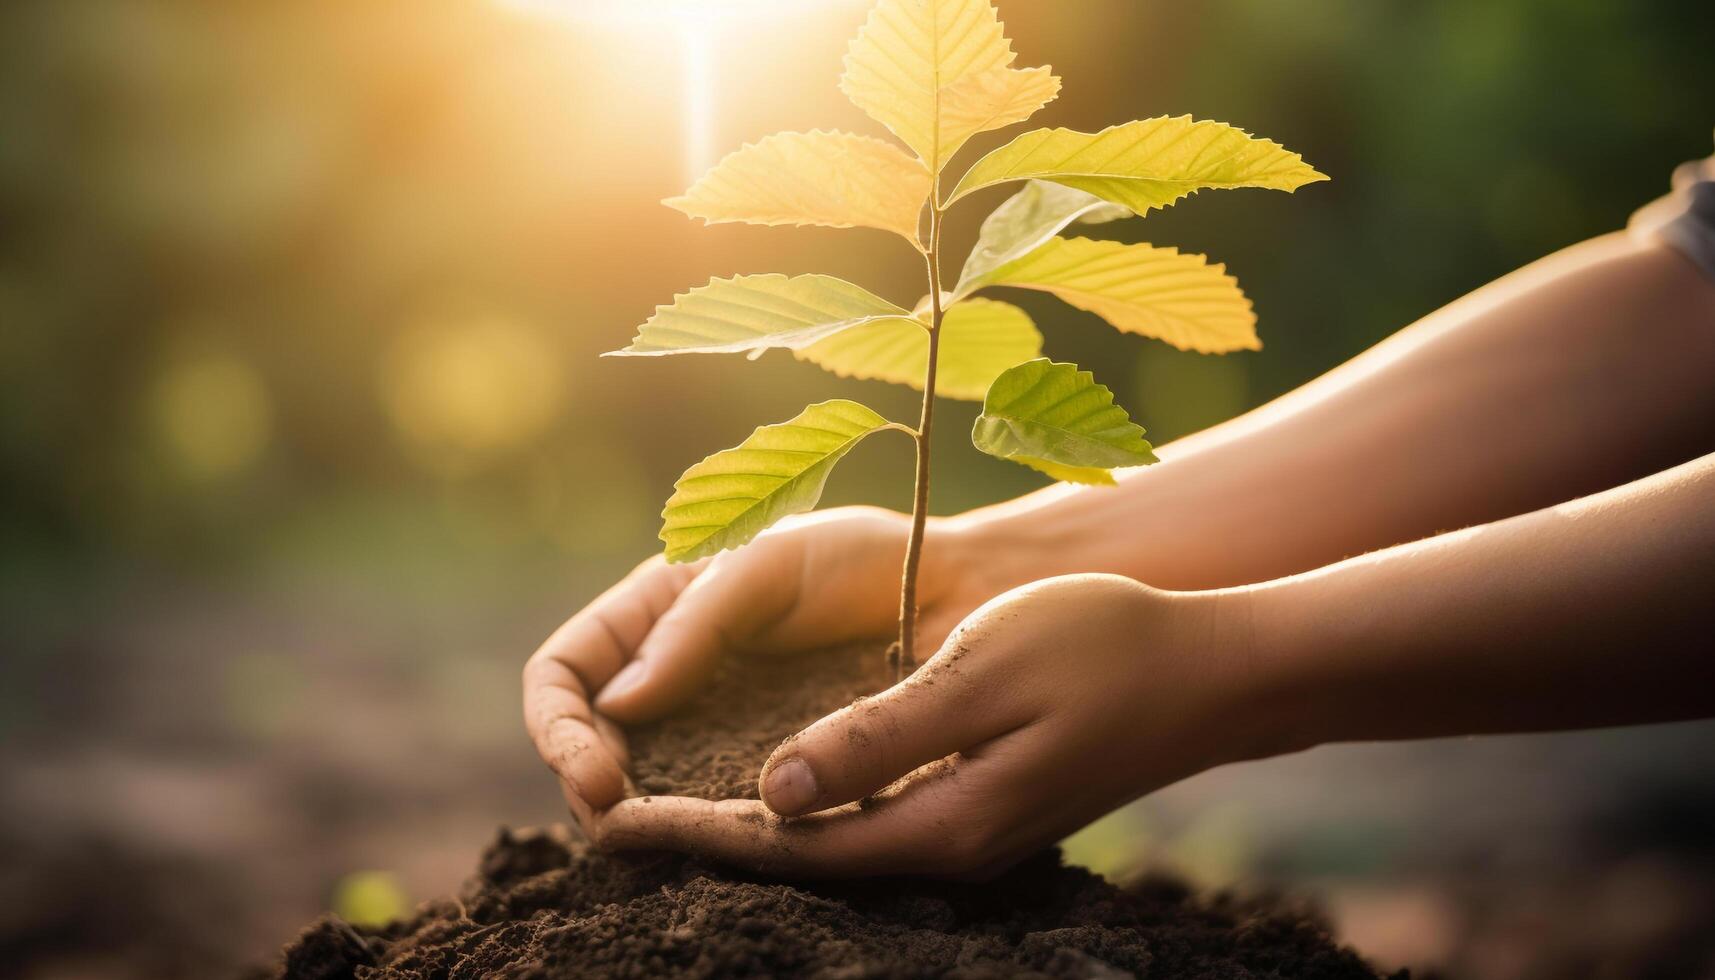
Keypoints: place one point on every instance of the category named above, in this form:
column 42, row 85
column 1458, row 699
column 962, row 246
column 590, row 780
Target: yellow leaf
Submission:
column 1146, row 164
column 1142, row 289
column 751, row 314
column 980, row 339
column 992, row 100
column 1094, row 475
column 937, row 72
column 840, row 180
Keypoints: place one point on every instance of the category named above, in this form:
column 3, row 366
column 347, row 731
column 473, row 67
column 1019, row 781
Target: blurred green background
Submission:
column 304, row 441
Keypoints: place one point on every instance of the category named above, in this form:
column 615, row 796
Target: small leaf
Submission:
column 732, row 496
column 1025, row 221
column 1141, row 289
column 840, row 180
column 989, row 100
column 937, row 72
column 1055, row 418
column 980, row 338
column 755, row 313
column 1146, row 164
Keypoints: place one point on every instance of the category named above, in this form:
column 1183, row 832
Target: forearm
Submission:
column 1580, row 372
column 1597, row 612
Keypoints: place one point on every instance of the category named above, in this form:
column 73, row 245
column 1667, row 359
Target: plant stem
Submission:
column 906, row 658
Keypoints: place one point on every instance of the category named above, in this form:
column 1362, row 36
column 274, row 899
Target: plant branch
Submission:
column 905, row 654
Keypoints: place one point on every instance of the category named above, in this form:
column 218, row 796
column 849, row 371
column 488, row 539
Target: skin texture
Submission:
column 1551, row 414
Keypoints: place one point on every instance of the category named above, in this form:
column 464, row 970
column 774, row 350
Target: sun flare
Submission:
column 700, row 30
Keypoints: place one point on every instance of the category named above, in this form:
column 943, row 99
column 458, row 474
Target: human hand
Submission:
column 1056, row 702
column 644, row 646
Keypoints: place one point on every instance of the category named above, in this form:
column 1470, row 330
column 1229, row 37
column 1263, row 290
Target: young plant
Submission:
column 936, row 73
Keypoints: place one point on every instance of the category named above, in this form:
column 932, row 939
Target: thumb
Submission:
column 949, row 705
column 736, row 596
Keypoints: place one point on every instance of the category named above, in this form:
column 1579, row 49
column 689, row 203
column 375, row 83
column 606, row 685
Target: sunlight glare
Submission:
column 699, row 26
column 663, row 12
column 696, row 45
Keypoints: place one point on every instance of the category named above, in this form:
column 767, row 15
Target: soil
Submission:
column 544, row 906
column 715, row 748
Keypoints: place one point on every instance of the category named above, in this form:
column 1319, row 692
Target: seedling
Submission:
column 936, row 73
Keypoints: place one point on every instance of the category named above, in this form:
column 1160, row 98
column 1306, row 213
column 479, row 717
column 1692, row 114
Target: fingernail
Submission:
column 790, row 788
column 622, row 682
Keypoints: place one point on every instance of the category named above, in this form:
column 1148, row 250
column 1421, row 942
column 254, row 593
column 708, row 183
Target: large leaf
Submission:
column 1055, row 418
column 754, row 313
column 836, row 179
column 1146, row 164
column 980, row 338
column 732, row 496
column 1141, row 289
column 1025, row 221
column 937, row 72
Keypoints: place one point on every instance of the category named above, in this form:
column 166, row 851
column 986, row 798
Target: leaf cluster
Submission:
column 936, row 73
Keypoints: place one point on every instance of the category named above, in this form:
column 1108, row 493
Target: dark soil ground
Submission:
column 545, row 906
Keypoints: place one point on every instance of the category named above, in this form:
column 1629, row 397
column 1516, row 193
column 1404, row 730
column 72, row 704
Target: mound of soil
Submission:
column 546, row 907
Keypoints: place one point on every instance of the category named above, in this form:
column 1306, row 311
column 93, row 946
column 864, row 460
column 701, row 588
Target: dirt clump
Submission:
column 545, row 907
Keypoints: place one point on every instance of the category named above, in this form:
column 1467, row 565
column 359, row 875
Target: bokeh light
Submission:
column 212, row 412
column 462, row 392
column 369, row 898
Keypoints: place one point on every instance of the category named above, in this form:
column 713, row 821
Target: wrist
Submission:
column 1059, row 530
column 1268, row 681
column 1003, row 550
column 1297, row 640
column 1160, row 525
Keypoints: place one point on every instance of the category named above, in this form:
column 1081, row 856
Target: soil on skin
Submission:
column 545, row 907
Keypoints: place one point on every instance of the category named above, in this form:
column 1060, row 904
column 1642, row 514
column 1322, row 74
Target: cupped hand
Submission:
column 646, row 644
column 1045, row 709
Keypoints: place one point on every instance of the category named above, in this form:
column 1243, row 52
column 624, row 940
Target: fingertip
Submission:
column 582, row 759
column 789, row 786
column 618, row 699
column 597, row 779
column 671, row 664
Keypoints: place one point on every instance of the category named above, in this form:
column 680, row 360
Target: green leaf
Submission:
column 754, row 313
column 732, row 496
column 1146, row 164
column 1027, row 220
column 818, row 178
column 1157, row 292
column 1055, row 418
column 980, row 338
column 937, row 72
